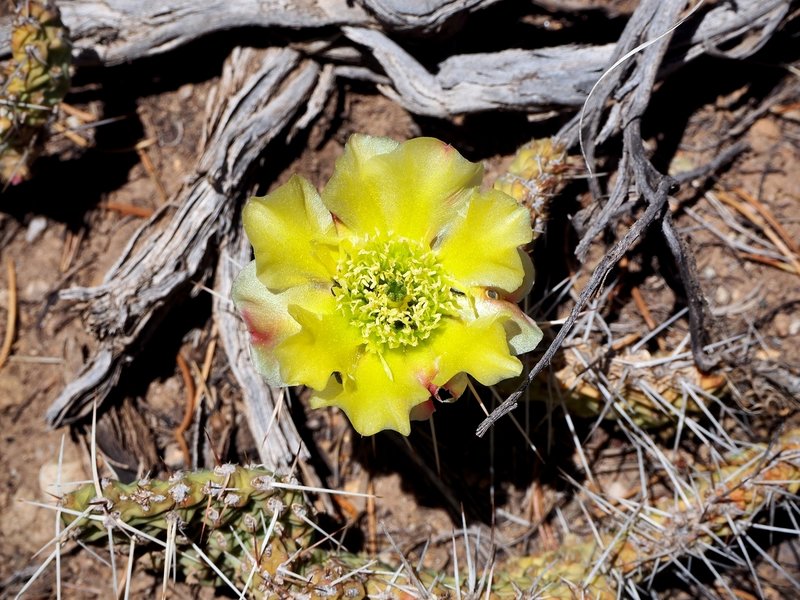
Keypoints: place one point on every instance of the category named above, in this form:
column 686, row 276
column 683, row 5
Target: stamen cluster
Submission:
column 394, row 291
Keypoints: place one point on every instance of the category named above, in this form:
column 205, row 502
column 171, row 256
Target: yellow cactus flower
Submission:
column 388, row 289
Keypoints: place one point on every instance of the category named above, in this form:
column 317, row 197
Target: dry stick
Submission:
column 11, row 315
column 756, row 217
column 649, row 16
column 73, row 137
column 695, row 300
column 208, row 361
column 644, row 172
column 71, row 247
column 74, row 111
column 599, row 275
column 771, row 262
column 141, row 150
column 188, row 413
column 658, row 18
column 592, row 109
column 128, row 209
column 642, row 307
column 626, row 341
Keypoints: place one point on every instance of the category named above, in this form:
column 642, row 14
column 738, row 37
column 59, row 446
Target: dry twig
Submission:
column 188, row 411
column 11, row 314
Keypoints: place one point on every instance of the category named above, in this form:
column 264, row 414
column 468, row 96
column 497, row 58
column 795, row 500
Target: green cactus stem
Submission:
column 32, row 84
column 258, row 532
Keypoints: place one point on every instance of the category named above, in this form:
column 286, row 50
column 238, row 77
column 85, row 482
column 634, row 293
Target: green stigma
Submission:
column 393, row 291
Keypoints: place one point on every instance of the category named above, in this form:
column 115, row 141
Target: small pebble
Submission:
column 794, row 327
column 185, row 91
column 722, row 296
column 35, row 228
column 71, row 477
column 173, row 457
column 35, row 291
column 782, row 322
column 617, row 491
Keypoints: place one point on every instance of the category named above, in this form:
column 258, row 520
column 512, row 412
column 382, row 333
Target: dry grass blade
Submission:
column 770, row 262
column 188, row 411
column 754, row 216
column 129, row 209
column 141, row 151
column 74, row 111
column 766, row 213
column 11, row 314
column 73, row 137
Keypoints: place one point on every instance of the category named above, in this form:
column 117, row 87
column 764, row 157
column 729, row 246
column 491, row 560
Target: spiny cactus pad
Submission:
column 536, row 174
column 224, row 512
column 32, row 84
column 258, row 533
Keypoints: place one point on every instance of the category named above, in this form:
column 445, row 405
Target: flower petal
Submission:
column 326, row 343
column 374, row 401
column 482, row 247
column 411, row 189
column 479, row 348
column 527, row 281
column 522, row 332
column 292, row 234
column 455, row 388
column 423, row 411
column 352, row 194
column 267, row 317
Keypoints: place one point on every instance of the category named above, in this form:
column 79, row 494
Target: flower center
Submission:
column 394, row 291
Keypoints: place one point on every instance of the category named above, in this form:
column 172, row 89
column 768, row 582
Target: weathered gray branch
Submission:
column 420, row 15
column 746, row 21
column 535, row 80
column 258, row 98
column 632, row 87
column 117, row 31
column 510, row 79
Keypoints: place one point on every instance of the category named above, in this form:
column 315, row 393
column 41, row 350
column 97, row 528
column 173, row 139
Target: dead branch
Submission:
column 562, row 76
column 257, row 100
column 529, row 80
column 633, row 86
column 510, row 79
column 125, row 30
column 422, row 15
